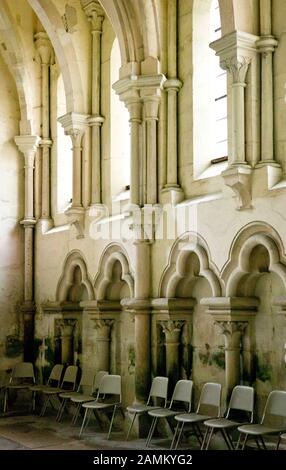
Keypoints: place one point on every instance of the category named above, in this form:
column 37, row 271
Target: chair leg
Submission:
column 175, row 435
column 278, row 443
column 33, row 402
column 180, row 435
column 111, row 422
column 229, row 440
column 5, row 400
column 83, row 421
column 151, row 431
column 225, row 439
column 263, row 443
column 244, row 442
column 238, row 442
column 209, row 438
column 76, row 413
column 45, row 405
column 61, row 409
column 205, row 438
column 197, row 434
column 130, row 426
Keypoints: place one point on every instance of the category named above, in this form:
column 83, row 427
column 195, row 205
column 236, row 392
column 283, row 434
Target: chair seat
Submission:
column 259, row 429
column 52, row 390
column 99, row 406
column 221, row 423
column 191, row 418
column 68, row 394
column 141, row 408
column 37, row 388
column 18, row 387
column 162, row 413
column 80, row 398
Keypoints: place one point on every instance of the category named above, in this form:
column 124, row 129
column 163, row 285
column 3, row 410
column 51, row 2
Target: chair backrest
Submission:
column 69, row 379
column 242, row 398
column 275, row 405
column 56, row 374
column 97, row 379
column 210, row 396
column 159, row 389
column 23, row 370
column 86, row 381
column 183, row 392
column 110, row 385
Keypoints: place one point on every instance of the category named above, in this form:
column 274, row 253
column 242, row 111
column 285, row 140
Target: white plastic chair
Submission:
column 210, row 398
column 68, row 383
column 52, row 382
column 159, row 389
column 182, row 393
column 85, row 388
column 21, row 378
column 275, row 406
column 110, row 385
column 242, row 399
column 80, row 398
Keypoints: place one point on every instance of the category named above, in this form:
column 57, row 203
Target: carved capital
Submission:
column 103, row 328
column 94, row 13
column 237, row 67
column 74, row 125
column 67, row 327
column 28, row 144
column 44, row 48
column 232, row 332
column 172, row 330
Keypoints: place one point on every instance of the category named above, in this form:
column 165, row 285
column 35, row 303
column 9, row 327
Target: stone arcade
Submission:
column 143, row 190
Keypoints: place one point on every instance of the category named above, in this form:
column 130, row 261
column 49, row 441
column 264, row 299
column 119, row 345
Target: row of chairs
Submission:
column 241, row 400
column 95, row 390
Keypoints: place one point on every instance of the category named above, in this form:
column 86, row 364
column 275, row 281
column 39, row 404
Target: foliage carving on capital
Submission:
column 237, row 67
column 232, row 331
column 172, row 329
column 103, row 327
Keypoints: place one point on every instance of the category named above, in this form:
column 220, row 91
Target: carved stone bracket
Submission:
column 238, row 178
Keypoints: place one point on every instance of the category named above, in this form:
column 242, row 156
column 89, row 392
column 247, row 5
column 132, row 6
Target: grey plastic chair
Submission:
column 21, row 379
column 110, row 385
column 80, row 398
column 275, row 406
column 210, row 398
column 52, row 382
column 182, row 393
column 242, row 399
column 159, row 389
column 85, row 389
column 68, row 383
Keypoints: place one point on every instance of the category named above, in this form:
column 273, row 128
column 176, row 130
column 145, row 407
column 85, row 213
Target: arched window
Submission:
column 209, row 93
column 64, row 154
column 119, row 131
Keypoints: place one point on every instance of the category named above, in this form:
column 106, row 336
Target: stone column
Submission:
column 75, row 125
column 151, row 107
column 67, row 340
column 103, row 330
column 232, row 332
column 236, row 51
column 45, row 51
column 172, row 87
column 28, row 144
column 233, row 315
column 95, row 16
column 266, row 45
column 172, row 331
column 135, row 109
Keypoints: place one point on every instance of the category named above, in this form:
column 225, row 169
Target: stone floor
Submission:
column 31, row 432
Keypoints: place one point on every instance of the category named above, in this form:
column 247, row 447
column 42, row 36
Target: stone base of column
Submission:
column 96, row 210
column 270, row 174
column 172, row 194
column 46, row 224
column 28, row 310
